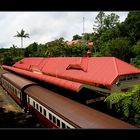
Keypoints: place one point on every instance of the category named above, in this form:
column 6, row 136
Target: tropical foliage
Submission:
column 127, row 104
column 22, row 35
column 110, row 36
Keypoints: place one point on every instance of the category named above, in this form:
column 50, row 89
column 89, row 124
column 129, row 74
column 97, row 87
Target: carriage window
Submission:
column 16, row 92
column 50, row 116
column 44, row 112
column 33, row 104
column 58, row 122
column 63, row 125
column 68, row 127
column 54, row 119
column 28, row 100
column 40, row 109
column 37, row 106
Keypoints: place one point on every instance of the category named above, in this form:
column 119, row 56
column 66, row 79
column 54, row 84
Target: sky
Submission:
column 44, row 27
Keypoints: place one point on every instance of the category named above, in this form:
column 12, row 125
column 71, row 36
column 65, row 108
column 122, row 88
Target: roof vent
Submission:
column 83, row 65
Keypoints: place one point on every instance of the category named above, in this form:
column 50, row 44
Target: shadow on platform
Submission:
column 17, row 120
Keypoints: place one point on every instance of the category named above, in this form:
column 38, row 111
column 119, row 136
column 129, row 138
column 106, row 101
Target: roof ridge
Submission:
column 115, row 64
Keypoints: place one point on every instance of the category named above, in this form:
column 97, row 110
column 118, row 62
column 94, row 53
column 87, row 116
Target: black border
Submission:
column 69, row 5
column 86, row 134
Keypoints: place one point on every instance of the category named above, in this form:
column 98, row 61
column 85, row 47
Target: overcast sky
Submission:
column 46, row 26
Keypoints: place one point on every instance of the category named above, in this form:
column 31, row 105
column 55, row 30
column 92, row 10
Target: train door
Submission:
column 24, row 101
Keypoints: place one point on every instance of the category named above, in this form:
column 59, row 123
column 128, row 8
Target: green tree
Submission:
column 105, row 21
column 13, row 50
column 127, row 104
column 31, row 50
column 22, row 35
column 118, row 47
column 130, row 27
column 136, row 61
column 99, row 20
column 136, row 48
column 111, row 20
column 56, row 48
column 7, row 60
column 75, row 37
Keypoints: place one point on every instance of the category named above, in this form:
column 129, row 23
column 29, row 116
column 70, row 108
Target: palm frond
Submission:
column 22, row 34
column 115, row 97
column 126, row 104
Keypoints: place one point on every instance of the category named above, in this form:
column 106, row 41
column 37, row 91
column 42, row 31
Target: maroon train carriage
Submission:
column 56, row 111
column 2, row 71
column 14, row 85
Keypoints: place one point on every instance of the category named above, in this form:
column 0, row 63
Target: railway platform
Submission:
column 12, row 116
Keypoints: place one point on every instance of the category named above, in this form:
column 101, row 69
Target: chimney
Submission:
column 88, row 53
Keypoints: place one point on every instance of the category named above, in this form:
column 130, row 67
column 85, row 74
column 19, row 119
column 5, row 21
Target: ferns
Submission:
column 127, row 103
column 136, row 106
column 115, row 98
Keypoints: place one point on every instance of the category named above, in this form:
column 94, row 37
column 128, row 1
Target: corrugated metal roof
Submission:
column 74, row 86
column 28, row 63
column 93, row 70
column 82, row 115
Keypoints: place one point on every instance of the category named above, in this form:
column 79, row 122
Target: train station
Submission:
column 89, row 78
column 100, row 76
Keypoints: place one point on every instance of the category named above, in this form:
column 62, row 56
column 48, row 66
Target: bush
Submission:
column 127, row 104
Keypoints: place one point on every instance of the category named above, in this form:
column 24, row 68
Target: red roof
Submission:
column 73, row 42
column 78, row 40
column 91, row 43
column 84, row 70
column 74, row 86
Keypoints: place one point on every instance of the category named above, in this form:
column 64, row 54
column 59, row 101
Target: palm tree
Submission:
column 22, row 34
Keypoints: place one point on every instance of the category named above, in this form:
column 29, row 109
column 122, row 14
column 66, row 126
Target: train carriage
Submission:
column 55, row 110
column 14, row 85
column 2, row 72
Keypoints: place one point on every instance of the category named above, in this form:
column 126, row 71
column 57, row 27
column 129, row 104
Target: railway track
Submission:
column 12, row 116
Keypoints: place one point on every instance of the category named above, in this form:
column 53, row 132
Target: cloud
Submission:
column 45, row 26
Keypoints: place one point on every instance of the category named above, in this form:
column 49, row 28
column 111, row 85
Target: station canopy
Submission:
column 74, row 72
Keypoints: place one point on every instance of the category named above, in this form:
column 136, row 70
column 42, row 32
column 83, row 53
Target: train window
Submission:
column 37, row 106
column 50, row 116
column 68, row 127
column 12, row 89
column 63, row 125
column 58, row 122
column 28, row 100
column 44, row 112
column 33, row 104
column 54, row 119
column 15, row 91
column 40, row 109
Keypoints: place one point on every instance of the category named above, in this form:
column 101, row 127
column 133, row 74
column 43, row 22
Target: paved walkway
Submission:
column 12, row 116
column 7, row 102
